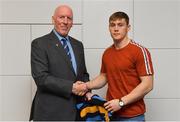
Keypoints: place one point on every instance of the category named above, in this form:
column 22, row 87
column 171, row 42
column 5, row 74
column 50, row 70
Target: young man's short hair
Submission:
column 119, row 15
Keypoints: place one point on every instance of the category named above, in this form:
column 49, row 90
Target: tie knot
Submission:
column 64, row 39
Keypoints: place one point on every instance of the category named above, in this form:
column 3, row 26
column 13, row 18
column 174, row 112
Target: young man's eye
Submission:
column 120, row 25
column 112, row 25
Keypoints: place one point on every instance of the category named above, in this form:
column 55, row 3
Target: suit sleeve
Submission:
column 85, row 73
column 43, row 79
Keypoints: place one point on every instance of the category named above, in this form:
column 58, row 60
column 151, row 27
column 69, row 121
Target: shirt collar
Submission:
column 59, row 36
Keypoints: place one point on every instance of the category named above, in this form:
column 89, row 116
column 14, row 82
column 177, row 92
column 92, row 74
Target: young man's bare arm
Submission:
column 140, row 91
column 97, row 82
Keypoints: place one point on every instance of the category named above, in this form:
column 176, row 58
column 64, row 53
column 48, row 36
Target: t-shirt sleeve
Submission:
column 144, row 64
column 103, row 68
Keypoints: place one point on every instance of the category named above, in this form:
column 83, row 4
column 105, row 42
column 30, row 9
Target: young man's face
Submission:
column 118, row 29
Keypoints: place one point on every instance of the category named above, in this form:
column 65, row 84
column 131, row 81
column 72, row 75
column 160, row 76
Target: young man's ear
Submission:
column 129, row 27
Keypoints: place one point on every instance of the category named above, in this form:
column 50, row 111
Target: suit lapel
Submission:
column 76, row 52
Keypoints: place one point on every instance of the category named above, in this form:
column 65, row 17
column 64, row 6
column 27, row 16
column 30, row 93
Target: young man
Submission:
column 128, row 71
column 58, row 66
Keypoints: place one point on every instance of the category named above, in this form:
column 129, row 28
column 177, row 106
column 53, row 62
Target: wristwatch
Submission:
column 121, row 103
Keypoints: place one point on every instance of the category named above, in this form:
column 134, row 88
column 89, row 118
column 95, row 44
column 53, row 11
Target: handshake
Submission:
column 80, row 88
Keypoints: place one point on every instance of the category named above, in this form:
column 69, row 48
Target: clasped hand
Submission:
column 79, row 88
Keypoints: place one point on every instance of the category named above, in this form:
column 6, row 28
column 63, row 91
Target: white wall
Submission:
column 155, row 24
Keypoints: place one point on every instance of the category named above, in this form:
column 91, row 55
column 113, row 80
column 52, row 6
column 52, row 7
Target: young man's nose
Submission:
column 116, row 27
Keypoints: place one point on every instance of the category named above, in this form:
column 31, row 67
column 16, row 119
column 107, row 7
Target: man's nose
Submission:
column 65, row 20
column 116, row 27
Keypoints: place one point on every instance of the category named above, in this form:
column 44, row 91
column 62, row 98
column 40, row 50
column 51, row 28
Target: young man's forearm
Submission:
column 140, row 91
column 97, row 82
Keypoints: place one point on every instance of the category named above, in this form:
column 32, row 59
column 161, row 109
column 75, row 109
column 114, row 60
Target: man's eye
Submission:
column 112, row 25
column 120, row 25
column 61, row 17
column 69, row 18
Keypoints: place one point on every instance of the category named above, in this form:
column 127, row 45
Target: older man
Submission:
column 58, row 66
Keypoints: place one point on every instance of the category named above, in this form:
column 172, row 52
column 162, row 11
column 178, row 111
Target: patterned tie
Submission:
column 66, row 48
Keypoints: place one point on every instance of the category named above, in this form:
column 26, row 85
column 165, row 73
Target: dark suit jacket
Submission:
column 54, row 77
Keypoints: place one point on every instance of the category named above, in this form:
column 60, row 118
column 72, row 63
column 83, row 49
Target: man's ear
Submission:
column 53, row 20
column 129, row 27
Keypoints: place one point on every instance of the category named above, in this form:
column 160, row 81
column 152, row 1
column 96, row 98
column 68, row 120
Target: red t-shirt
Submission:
column 123, row 68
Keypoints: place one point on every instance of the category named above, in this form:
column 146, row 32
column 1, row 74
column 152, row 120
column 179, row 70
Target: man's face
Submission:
column 118, row 29
column 63, row 20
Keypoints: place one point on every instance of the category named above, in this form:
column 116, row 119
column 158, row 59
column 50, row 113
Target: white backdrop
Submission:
column 155, row 24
